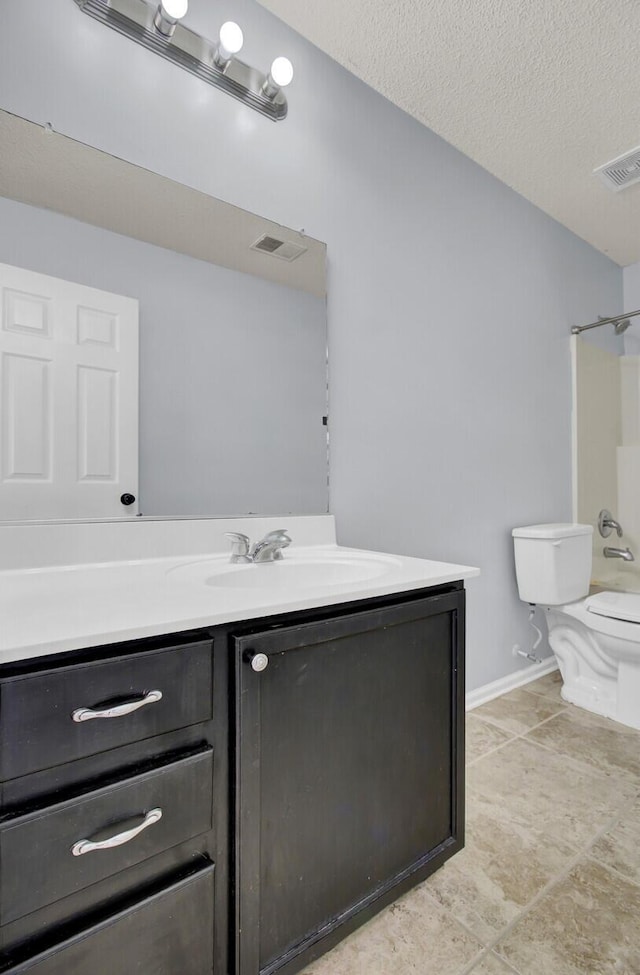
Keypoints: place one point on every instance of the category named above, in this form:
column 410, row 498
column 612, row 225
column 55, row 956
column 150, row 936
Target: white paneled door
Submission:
column 68, row 399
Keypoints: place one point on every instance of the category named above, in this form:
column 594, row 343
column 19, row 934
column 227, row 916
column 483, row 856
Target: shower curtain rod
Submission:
column 617, row 319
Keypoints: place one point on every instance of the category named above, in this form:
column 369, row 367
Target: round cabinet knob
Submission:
column 258, row 661
column 127, row 499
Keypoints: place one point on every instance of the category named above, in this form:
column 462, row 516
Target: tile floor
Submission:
column 549, row 880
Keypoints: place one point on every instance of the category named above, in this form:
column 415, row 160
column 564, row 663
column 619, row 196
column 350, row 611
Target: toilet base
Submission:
column 600, row 671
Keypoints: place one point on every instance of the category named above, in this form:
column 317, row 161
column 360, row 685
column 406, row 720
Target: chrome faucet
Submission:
column 268, row 549
column 618, row 553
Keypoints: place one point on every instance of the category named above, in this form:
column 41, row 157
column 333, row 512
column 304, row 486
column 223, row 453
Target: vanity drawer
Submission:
column 47, row 718
column 43, row 861
column 167, row 933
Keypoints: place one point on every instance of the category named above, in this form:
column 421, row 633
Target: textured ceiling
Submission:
column 539, row 92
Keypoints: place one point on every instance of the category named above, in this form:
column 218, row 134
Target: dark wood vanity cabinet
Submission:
column 296, row 798
column 348, row 772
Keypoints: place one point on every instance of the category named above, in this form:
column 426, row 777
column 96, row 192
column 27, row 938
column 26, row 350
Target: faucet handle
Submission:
column 276, row 535
column 607, row 524
column 282, row 536
column 240, row 546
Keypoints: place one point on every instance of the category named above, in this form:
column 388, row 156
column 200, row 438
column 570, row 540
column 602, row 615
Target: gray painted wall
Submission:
column 450, row 297
column 632, row 293
column 232, row 369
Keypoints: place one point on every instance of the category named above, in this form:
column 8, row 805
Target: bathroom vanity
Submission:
column 231, row 797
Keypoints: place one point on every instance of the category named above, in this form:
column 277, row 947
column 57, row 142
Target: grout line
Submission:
column 577, row 763
column 562, row 708
column 516, row 736
column 474, row 962
column 562, row 875
column 489, row 953
column 495, row 748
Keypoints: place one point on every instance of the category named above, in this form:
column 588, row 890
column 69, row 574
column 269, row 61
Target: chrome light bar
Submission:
column 147, row 24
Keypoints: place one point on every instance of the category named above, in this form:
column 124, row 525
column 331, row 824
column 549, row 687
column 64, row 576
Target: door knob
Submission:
column 258, row 661
column 127, row 499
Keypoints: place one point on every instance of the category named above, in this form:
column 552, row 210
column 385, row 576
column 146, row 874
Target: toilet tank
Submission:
column 553, row 562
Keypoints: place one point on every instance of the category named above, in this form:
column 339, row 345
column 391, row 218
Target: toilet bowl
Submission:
column 596, row 639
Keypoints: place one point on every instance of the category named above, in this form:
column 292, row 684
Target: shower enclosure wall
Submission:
column 606, row 447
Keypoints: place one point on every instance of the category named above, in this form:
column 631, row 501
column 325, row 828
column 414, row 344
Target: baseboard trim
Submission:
column 488, row 692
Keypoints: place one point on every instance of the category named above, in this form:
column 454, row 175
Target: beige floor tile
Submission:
column 549, row 791
column 620, row 846
column 603, row 744
column 548, row 686
column 491, row 964
column 586, row 925
column 504, row 865
column 414, row 936
column 483, row 737
column 518, row 711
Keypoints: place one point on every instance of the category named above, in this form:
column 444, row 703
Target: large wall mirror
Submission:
column 229, row 414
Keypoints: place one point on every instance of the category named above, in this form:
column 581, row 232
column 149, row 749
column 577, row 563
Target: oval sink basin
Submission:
column 292, row 572
column 295, row 575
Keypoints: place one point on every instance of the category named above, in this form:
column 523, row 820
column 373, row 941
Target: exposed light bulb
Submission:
column 168, row 14
column 281, row 72
column 231, row 41
column 175, row 9
column 279, row 77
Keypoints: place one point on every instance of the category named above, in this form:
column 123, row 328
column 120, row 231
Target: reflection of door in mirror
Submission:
column 68, row 399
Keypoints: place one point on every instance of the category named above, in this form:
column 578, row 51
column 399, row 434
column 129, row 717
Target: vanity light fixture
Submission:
column 159, row 28
column 168, row 14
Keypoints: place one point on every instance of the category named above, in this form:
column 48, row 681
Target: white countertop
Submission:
column 50, row 609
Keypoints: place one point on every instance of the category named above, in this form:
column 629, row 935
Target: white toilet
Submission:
column 596, row 639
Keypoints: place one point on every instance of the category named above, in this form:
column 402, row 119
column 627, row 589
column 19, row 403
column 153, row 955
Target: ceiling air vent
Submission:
column 286, row 250
column 621, row 172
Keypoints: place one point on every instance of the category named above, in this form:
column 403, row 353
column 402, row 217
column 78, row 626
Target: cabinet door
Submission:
column 349, row 772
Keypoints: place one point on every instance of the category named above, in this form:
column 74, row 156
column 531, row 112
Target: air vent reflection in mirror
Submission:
column 285, row 250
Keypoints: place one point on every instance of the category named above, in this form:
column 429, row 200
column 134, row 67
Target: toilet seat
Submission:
column 603, row 613
column 616, row 605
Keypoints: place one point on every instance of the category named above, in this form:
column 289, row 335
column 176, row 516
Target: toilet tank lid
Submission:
column 565, row 530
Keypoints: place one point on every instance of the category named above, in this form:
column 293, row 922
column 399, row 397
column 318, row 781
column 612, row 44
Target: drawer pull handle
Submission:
column 88, row 846
column 87, row 714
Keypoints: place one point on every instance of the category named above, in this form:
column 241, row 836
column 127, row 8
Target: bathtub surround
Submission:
column 606, row 443
column 450, row 297
column 597, row 433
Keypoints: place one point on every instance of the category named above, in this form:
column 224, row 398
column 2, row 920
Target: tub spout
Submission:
column 610, row 552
